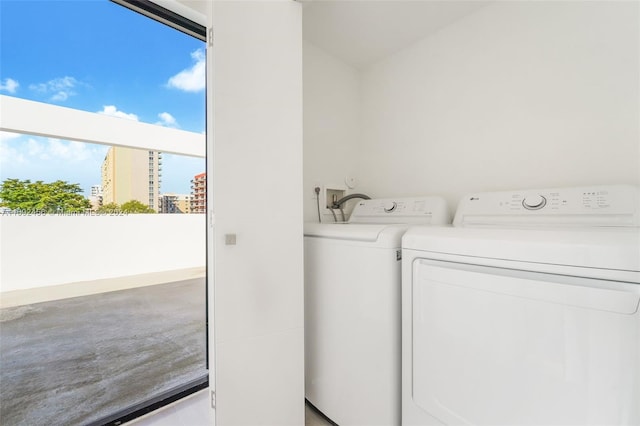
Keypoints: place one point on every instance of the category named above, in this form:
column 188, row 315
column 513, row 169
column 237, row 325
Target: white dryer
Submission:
column 525, row 312
column 352, row 309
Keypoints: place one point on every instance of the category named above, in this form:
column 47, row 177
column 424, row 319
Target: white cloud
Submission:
column 7, row 136
column 70, row 151
column 10, row 155
column 167, row 120
column 36, row 149
column 114, row 112
column 50, row 159
column 191, row 79
column 9, row 85
column 60, row 96
column 60, row 88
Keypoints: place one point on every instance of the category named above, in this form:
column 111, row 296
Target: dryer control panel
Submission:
column 613, row 205
column 415, row 210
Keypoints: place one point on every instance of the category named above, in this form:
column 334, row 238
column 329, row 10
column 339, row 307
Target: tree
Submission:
column 135, row 206
column 108, row 208
column 58, row 196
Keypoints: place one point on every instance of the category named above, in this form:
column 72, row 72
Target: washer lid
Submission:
column 603, row 248
column 387, row 235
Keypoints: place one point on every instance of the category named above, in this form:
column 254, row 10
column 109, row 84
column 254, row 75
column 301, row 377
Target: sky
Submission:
column 97, row 56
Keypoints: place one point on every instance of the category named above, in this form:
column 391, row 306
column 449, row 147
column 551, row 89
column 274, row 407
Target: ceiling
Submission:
column 361, row 32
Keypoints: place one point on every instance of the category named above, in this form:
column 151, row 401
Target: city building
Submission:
column 131, row 174
column 199, row 193
column 175, row 203
column 95, row 197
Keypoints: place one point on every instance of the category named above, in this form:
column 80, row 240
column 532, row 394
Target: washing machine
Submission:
column 525, row 311
column 352, row 309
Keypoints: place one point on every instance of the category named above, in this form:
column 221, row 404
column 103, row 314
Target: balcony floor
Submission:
column 76, row 360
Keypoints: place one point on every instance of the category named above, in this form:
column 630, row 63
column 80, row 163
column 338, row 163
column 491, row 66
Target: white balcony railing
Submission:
column 48, row 250
column 36, row 118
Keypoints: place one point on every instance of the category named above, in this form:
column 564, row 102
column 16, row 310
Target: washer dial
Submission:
column 534, row 202
column 390, row 206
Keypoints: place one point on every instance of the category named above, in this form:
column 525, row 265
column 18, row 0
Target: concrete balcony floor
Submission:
column 78, row 359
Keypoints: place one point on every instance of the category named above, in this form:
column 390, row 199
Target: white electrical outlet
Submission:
column 350, row 181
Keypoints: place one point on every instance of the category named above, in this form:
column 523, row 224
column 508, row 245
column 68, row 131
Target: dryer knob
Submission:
column 390, row 206
column 534, row 202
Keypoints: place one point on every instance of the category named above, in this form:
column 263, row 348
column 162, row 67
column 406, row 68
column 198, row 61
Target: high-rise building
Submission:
column 131, row 174
column 96, row 196
column 199, row 193
column 96, row 190
column 175, row 203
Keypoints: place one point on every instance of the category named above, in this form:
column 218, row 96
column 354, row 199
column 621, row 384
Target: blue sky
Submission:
column 97, row 56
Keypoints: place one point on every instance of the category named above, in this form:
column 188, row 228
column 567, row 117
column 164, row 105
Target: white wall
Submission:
column 40, row 251
column 331, row 124
column 516, row 95
column 256, row 93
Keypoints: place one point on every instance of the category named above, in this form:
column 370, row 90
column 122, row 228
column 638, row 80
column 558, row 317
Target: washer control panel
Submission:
column 614, row 205
column 415, row 210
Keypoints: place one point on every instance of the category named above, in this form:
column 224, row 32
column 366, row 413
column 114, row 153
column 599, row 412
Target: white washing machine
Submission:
column 352, row 309
column 525, row 312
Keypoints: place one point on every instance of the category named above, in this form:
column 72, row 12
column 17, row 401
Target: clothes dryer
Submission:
column 525, row 312
column 352, row 309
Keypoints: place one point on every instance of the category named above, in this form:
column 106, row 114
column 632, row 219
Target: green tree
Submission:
column 51, row 197
column 135, row 206
column 108, row 208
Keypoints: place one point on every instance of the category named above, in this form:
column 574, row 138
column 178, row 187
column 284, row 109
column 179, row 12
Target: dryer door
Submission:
column 500, row 346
